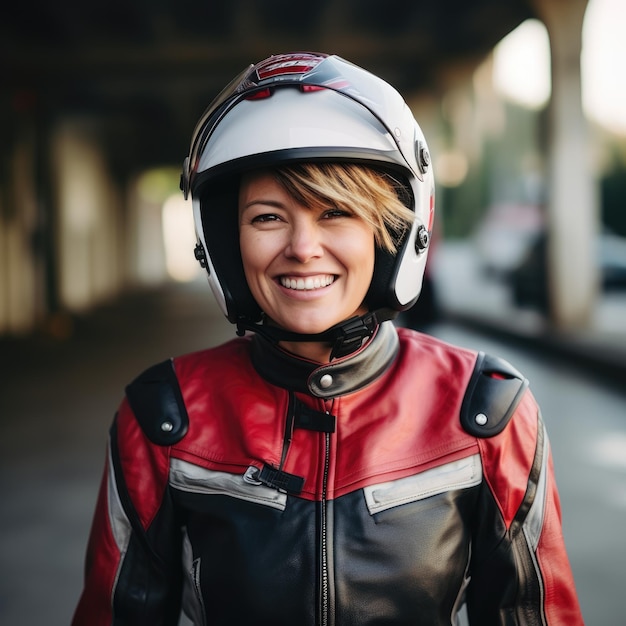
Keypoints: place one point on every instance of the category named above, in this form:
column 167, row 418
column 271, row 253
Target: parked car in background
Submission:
column 504, row 236
column 529, row 282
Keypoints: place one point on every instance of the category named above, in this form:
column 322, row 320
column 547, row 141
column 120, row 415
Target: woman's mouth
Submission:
column 307, row 283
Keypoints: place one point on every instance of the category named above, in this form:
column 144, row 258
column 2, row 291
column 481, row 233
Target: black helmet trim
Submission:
column 231, row 169
column 218, row 205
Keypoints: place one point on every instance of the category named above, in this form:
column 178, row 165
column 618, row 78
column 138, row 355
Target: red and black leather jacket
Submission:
column 403, row 484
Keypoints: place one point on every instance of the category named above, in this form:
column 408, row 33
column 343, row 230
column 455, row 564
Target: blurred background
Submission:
column 523, row 104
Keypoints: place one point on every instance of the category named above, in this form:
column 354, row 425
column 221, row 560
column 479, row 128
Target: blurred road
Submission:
column 57, row 399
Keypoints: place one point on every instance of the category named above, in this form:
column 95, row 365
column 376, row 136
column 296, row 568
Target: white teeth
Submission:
column 308, row 283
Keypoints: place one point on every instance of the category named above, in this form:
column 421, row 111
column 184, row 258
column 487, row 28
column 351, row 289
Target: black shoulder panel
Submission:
column 157, row 403
column 492, row 395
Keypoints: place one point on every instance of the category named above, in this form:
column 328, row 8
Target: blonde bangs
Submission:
column 367, row 193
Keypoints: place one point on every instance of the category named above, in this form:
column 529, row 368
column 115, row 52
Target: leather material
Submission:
column 156, row 401
column 338, row 378
column 403, row 515
column 492, row 395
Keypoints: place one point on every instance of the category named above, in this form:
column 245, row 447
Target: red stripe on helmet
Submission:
column 287, row 65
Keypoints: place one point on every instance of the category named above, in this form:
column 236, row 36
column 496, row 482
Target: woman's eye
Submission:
column 336, row 213
column 264, row 217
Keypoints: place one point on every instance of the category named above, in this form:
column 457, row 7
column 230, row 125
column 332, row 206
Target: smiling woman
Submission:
column 324, row 467
column 309, row 267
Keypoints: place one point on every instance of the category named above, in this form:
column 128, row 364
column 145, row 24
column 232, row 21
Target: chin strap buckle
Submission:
column 345, row 338
column 352, row 333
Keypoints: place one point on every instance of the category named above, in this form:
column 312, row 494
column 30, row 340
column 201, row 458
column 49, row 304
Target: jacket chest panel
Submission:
column 375, row 440
column 407, row 559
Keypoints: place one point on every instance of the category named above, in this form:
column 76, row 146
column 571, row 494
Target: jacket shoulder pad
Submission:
column 493, row 393
column 157, row 402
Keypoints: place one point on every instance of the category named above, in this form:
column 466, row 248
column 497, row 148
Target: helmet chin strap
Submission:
column 345, row 337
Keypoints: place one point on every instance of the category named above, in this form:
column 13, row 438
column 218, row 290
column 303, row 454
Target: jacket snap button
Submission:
column 326, row 381
column 167, row 427
column 481, row 419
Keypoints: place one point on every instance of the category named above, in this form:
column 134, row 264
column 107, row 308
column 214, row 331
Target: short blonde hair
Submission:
column 373, row 195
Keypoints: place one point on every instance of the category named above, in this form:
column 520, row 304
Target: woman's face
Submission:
column 307, row 268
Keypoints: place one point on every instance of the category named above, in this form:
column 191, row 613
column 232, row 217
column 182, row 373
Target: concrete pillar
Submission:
column 572, row 202
column 21, row 304
column 89, row 250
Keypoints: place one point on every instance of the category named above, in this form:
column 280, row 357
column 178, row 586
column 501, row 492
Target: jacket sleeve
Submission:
column 520, row 573
column 133, row 563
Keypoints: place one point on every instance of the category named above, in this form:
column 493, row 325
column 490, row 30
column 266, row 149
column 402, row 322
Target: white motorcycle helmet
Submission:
column 306, row 107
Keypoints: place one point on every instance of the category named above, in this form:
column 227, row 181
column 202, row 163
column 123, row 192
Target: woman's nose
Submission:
column 305, row 241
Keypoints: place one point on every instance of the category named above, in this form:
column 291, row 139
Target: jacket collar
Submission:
column 328, row 380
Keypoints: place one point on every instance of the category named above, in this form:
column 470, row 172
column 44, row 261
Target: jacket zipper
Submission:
column 324, row 535
column 325, row 583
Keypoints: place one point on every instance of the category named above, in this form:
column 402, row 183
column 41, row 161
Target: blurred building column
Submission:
column 89, row 236
column 22, row 273
column 18, row 263
column 572, row 200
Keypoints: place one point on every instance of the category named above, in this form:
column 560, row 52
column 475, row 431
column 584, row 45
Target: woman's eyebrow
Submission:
column 272, row 203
